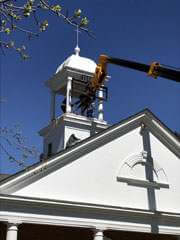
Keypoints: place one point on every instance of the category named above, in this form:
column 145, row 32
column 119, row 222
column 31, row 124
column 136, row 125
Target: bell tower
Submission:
column 71, row 122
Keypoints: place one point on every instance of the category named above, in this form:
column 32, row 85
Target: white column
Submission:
column 98, row 234
column 52, row 110
column 68, row 95
column 100, row 106
column 12, row 230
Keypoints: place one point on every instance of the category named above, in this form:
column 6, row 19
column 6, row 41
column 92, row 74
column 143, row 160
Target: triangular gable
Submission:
column 110, row 168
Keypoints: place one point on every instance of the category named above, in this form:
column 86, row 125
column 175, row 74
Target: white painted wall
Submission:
column 167, row 199
column 60, row 136
column 56, row 137
column 78, row 132
column 81, row 126
column 93, row 177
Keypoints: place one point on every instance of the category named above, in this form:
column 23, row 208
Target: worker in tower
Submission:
column 90, row 110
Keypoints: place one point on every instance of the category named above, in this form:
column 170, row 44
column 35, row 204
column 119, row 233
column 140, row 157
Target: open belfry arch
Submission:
column 77, row 123
column 94, row 181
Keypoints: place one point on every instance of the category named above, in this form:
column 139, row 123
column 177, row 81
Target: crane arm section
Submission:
column 155, row 70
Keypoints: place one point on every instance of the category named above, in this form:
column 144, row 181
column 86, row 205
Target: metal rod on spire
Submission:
column 77, row 36
column 77, row 49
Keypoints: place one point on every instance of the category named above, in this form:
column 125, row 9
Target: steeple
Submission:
column 74, row 122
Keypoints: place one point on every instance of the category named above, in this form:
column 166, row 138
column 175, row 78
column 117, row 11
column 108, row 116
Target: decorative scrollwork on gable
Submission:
column 136, row 169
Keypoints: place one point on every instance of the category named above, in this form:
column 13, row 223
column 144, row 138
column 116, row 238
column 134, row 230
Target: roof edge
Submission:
column 145, row 115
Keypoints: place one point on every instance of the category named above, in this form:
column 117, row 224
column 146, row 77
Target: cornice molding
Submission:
column 20, row 218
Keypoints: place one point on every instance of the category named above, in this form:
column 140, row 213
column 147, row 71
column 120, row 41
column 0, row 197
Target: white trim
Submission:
column 85, row 223
column 166, row 133
column 73, row 222
column 169, row 230
column 56, row 159
column 95, row 216
column 142, row 182
column 145, row 117
column 26, row 201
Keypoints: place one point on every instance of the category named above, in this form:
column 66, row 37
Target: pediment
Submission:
column 134, row 164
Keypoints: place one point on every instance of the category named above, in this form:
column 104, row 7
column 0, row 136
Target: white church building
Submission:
column 95, row 181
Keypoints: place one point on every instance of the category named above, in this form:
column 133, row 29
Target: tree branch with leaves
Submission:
column 31, row 18
column 14, row 15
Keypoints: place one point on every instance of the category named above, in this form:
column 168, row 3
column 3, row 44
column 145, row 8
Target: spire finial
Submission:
column 77, row 49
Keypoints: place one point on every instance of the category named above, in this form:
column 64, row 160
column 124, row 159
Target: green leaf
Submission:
column 56, row 8
column 84, row 22
column 77, row 13
column 7, row 30
column 11, row 44
column 26, row 14
column 24, row 56
column 44, row 25
column 3, row 22
column 18, row 17
column 18, row 49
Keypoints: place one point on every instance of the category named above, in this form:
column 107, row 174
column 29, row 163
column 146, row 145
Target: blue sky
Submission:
column 143, row 31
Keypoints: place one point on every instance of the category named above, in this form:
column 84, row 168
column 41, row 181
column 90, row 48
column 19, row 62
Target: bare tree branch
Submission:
column 14, row 141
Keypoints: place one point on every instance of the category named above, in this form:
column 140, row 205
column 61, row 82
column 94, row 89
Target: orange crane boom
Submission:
column 155, row 70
